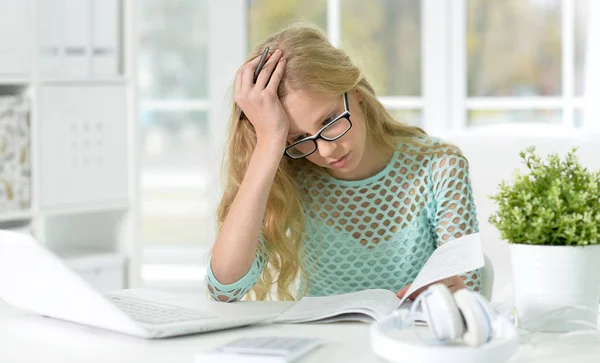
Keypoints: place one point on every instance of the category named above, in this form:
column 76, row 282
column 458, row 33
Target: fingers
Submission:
column 454, row 283
column 277, row 75
column 451, row 281
column 412, row 296
column 248, row 73
column 417, row 292
column 402, row 292
column 268, row 68
column 271, row 73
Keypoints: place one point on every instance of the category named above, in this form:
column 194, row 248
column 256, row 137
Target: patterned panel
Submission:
column 15, row 162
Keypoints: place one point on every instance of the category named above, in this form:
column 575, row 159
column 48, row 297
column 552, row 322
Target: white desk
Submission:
column 28, row 338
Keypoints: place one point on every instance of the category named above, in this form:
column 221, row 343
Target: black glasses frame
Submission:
column 318, row 135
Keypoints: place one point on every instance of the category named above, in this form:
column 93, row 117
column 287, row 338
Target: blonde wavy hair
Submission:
column 312, row 64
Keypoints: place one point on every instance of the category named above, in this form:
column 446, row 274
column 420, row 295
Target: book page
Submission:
column 452, row 258
column 348, row 317
column 375, row 303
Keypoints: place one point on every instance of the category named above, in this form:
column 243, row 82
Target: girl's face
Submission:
column 309, row 111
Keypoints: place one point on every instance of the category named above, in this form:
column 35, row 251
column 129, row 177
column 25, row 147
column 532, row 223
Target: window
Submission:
column 524, row 62
column 173, row 93
column 382, row 37
column 268, row 16
column 173, row 89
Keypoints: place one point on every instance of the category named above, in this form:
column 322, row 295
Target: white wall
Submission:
column 493, row 154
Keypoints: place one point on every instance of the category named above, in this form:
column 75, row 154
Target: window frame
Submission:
column 227, row 25
column 567, row 102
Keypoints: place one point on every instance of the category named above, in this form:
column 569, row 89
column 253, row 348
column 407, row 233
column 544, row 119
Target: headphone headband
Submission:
column 407, row 346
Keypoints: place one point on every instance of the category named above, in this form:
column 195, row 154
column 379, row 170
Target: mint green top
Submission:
column 377, row 232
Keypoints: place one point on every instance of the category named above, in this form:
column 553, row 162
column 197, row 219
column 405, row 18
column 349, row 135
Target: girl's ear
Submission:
column 359, row 96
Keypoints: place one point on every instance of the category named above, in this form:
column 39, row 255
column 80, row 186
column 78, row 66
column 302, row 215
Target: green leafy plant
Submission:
column 556, row 203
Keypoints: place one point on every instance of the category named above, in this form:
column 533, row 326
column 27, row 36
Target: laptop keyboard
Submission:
column 149, row 312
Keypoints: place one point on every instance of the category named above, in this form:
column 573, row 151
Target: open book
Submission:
column 454, row 257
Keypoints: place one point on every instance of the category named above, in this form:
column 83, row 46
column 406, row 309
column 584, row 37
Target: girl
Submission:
column 326, row 193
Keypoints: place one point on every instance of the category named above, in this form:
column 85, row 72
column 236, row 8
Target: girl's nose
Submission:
column 326, row 148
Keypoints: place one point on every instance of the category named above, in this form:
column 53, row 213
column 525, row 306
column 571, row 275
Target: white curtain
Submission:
column 591, row 114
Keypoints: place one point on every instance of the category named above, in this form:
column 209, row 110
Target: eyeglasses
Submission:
column 335, row 129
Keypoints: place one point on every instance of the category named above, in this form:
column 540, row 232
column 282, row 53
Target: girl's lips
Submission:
column 341, row 162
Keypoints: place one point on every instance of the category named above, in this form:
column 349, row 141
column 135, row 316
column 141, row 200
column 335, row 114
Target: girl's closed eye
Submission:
column 294, row 139
column 330, row 118
column 300, row 137
column 325, row 122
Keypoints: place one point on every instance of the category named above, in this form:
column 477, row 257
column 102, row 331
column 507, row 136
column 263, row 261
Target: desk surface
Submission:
column 29, row 338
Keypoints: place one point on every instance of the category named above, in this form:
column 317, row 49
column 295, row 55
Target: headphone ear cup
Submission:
column 476, row 318
column 442, row 314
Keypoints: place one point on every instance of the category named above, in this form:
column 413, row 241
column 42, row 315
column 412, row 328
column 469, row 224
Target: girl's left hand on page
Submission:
column 454, row 284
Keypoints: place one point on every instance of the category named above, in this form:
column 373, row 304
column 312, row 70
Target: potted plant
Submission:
column 551, row 218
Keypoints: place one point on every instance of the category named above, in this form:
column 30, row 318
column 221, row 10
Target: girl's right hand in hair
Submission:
column 260, row 102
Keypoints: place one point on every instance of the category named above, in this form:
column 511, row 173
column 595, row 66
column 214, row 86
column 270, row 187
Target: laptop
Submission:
column 34, row 279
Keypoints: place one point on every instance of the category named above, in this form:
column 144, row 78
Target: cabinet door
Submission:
column 83, row 156
column 15, row 37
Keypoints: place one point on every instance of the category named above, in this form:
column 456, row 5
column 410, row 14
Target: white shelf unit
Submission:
column 72, row 62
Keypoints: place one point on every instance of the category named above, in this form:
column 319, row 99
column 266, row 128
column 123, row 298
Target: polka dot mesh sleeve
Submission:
column 237, row 290
column 455, row 214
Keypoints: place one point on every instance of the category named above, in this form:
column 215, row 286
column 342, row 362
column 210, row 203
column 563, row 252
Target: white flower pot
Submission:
column 548, row 278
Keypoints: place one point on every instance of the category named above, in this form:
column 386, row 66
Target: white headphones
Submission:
column 463, row 317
